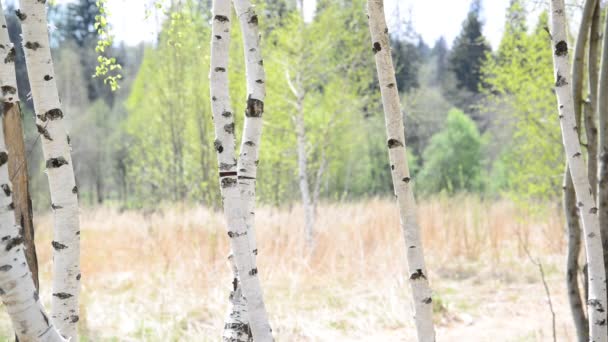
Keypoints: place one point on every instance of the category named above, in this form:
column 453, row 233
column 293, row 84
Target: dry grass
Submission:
column 164, row 277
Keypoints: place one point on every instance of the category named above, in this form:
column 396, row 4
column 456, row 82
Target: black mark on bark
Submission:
column 561, row 48
column 393, row 143
column 55, row 163
column 255, row 108
column 376, row 48
column 62, row 295
column 418, row 275
column 22, row 16
column 7, row 189
column 58, row 246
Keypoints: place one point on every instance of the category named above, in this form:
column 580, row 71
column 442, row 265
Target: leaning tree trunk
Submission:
column 15, row 144
column 578, row 64
column 596, row 302
column 572, row 266
column 60, row 172
column 400, row 172
column 248, row 162
column 237, row 178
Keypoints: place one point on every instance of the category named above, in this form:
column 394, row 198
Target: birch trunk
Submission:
column 17, row 288
column 15, row 144
column 572, row 267
column 307, row 201
column 248, row 317
column 578, row 64
column 19, row 295
column 248, row 164
column 400, row 172
column 236, row 327
column 60, row 172
column 596, row 303
column 590, row 112
column 602, row 110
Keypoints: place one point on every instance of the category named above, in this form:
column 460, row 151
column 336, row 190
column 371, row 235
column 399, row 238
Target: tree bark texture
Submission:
column 423, row 308
column 15, row 144
column 237, row 177
column 587, row 208
column 59, row 166
column 17, row 287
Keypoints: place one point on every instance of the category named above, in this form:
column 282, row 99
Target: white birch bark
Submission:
column 19, row 295
column 236, row 327
column 247, row 165
column 578, row 64
column 602, row 112
column 15, row 144
column 400, row 172
column 237, row 178
column 60, row 172
column 596, row 303
column 17, row 288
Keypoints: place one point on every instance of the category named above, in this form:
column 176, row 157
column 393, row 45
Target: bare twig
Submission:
column 541, row 270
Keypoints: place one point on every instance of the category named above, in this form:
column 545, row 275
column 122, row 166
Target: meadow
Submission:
column 163, row 275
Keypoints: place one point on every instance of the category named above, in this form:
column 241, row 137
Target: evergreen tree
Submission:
column 78, row 23
column 440, row 54
column 407, row 60
column 469, row 51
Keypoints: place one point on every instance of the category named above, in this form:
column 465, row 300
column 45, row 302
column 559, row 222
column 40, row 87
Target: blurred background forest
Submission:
column 484, row 148
column 474, row 113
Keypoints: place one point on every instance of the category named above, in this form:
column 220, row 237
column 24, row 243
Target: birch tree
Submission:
column 602, row 112
column 402, row 181
column 588, row 211
column 19, row 294
column 237, row 177
column 15, row 144
column 583, row 110
column 17, row 287
column 60, row 172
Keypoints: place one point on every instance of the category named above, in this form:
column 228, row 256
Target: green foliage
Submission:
column 526, row 135
column 452, row 161
column 323, row 68
column 171, row 157
column 107, row 67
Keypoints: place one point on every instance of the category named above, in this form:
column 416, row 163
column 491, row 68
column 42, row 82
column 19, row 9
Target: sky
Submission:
column 431, row 18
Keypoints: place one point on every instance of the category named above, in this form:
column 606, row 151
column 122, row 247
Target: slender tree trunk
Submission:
column 400, row 172
column 602, row 110
column 248, row 317
column 572, row 268
column 19, row 294
column 17, row 168
column 60, row 172
column 590, row 111
column 303, row 182
column 13, row 135
column 17, row 288
column 236, row 326
column 585, row 202
column 248, row 164
column 578, row 64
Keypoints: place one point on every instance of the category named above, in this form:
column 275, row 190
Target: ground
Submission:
column 162, row 275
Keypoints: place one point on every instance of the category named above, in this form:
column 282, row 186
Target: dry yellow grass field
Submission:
column 163, row 276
